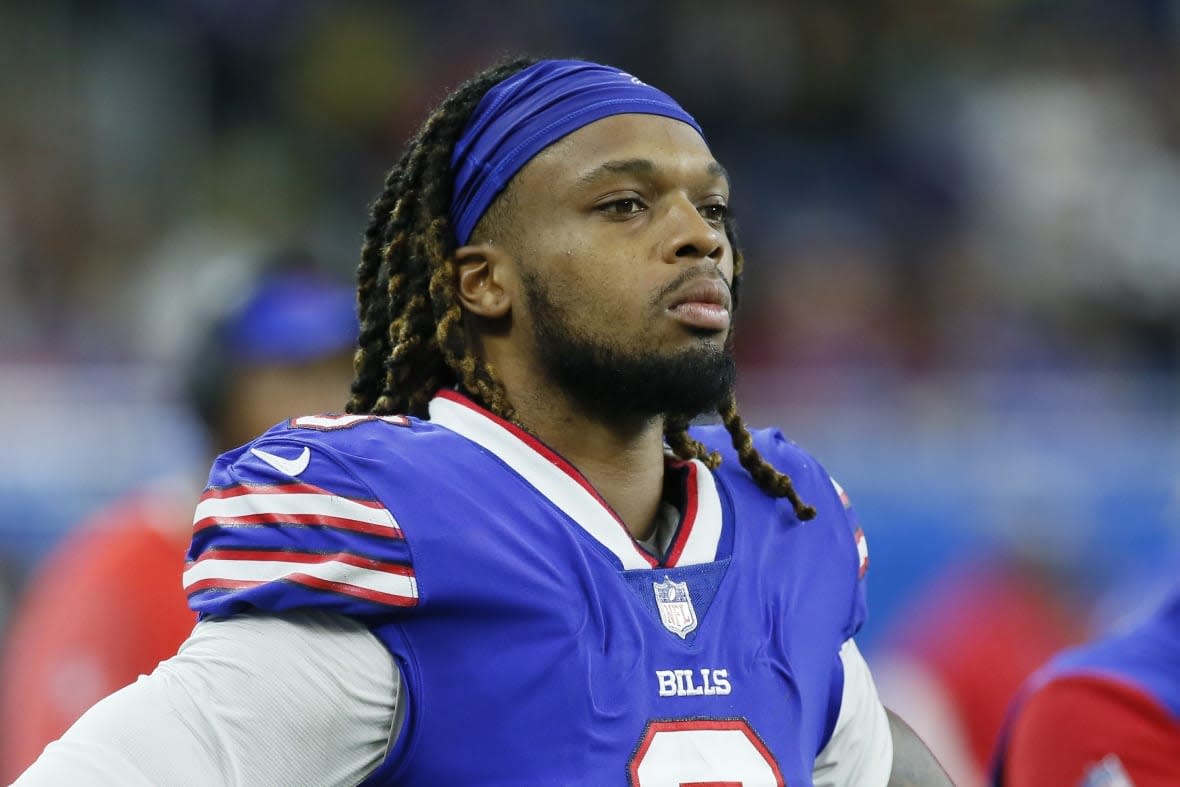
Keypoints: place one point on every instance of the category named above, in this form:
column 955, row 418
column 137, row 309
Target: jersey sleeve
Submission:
column 834, row 511
column 858, row 612
column 285, row 523
column 1098, row 726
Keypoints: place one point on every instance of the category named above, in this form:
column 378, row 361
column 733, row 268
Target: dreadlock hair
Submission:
column 412, row 340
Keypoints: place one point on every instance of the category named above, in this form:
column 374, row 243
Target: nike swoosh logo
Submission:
column 291, row 467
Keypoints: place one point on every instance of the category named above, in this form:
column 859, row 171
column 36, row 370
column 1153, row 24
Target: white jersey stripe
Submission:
column 862, row 552
column 333, row 571
column 706, row 530
column 325, row 505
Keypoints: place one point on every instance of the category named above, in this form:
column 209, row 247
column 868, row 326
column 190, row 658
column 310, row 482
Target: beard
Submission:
column 611, row 379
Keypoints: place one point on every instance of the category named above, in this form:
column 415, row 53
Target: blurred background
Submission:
column 961, row 221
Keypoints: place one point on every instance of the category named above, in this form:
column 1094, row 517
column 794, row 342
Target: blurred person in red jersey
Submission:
column 967, row 643
column 108, row 603
column 1102, row 714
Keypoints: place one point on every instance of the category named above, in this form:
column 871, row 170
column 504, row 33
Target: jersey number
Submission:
column 703, row 753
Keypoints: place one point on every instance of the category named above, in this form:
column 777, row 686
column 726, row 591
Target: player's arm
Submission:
column 302, row 698
column 913, row 764
column 870, row 745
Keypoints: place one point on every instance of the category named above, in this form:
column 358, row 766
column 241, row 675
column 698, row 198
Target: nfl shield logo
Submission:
column 675, row 605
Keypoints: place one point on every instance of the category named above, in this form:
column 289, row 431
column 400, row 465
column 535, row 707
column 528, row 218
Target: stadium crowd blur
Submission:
column 959, row 218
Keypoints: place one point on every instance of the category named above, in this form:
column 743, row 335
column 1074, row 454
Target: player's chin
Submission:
column 672, row 338
column 704, row 352
column 704, row 337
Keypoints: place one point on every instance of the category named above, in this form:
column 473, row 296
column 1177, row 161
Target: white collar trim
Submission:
column 568, row 489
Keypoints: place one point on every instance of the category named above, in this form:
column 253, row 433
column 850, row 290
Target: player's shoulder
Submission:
column 1092, row 716
column 785, row 454
column 348, row 433
column 1144, row 656
column 808, row 475
column 1093, row 680
column 338, row 449
column 1116, row 695
column 301, row 517
column 811, row 480
column 1058, row 696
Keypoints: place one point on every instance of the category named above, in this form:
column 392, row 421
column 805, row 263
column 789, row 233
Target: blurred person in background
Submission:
column 109, row 603
column 1102, row 714
column 961, row 648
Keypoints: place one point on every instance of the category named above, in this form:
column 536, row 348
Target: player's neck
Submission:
column 622, row 458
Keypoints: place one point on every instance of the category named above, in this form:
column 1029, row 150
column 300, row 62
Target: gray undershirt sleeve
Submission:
column 860, row 751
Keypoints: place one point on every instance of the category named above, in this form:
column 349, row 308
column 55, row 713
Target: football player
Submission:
column 513, row 561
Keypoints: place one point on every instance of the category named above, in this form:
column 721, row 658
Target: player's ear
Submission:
column 485, row 271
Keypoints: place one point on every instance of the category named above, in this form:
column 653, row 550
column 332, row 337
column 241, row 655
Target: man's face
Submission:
column 262, row 394
column 626, row 268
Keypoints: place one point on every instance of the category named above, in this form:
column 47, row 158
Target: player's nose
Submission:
column 690, row 236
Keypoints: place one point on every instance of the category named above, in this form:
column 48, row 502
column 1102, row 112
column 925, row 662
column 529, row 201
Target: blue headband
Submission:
column 528, row 112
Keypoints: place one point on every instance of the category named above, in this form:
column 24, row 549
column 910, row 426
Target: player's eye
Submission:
column 628, row 206
column 715, row 214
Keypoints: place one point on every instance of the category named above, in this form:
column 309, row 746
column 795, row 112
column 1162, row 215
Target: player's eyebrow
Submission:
column 639, row 166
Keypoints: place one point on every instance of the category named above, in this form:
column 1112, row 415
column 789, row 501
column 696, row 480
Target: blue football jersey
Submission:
column 539, row 644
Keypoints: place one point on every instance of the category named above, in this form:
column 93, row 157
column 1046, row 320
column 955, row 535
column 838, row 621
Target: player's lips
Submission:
column 702, row 303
